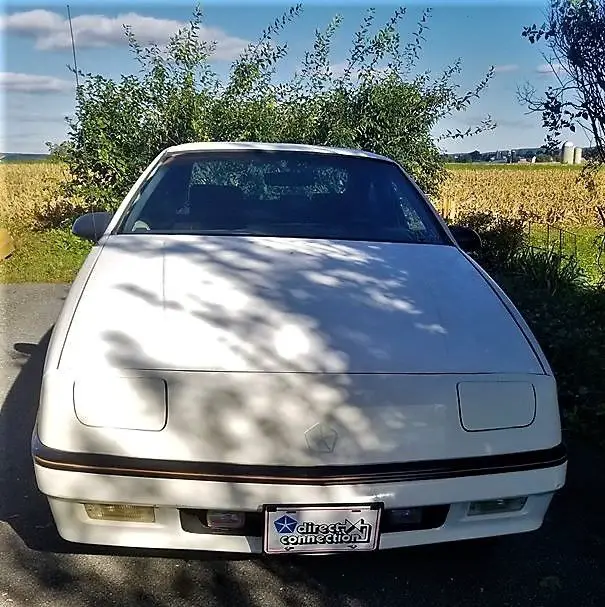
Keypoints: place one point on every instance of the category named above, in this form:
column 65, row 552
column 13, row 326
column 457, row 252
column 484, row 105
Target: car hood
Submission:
column 253, row 304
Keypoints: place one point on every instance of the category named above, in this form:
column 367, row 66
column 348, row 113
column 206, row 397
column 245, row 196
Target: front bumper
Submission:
column 68, row 486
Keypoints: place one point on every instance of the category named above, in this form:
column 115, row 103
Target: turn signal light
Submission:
column 120, row 512
column 509, row 504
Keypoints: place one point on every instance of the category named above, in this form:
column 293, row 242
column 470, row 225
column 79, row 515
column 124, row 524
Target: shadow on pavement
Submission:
column 21, row 505
column 561, row 564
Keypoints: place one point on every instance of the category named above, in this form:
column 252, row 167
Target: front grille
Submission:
column 431, row 517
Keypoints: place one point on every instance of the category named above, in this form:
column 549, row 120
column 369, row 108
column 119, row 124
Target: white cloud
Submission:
column 513, row 123
column 338, row 69
column 547, row 69
column 12, row 82
column 50, row 31
column 508, row 67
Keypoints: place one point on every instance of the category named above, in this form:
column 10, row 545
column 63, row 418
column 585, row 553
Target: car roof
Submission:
column 216, row 146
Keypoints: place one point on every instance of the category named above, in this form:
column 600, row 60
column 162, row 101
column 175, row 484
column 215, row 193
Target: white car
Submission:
column 282, row 348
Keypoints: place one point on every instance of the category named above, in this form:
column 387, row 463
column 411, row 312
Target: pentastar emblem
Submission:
column 321, row 438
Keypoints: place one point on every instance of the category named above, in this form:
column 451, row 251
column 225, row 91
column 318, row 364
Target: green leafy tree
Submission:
column 376, row 102
column 544, row 158
column 58, row 152
column 574, row 36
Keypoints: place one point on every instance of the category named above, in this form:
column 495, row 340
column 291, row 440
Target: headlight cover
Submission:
column 132, row 403
column 496, row 405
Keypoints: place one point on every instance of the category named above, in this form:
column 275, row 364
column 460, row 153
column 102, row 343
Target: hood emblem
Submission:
column 321, row 438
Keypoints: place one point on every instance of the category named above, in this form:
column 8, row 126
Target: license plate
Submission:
column 316, row 529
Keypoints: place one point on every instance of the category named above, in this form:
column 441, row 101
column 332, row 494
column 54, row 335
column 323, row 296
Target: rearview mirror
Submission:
column 92, row 225
column 467, row 238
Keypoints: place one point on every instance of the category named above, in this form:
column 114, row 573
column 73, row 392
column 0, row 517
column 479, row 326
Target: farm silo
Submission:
column 577, row 155
column 567, row 152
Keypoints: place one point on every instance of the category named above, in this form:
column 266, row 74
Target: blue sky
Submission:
column 37, row 89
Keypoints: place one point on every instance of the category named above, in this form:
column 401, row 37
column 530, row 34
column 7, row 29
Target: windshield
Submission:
column 288, row 194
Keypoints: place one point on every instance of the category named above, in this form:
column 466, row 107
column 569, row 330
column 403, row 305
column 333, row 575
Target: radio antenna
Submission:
column 73, row 50
column 73, row 46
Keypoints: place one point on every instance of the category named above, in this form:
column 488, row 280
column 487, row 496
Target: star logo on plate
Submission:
column 285, row 524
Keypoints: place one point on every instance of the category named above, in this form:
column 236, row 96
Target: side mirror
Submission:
column 467, row 238
column 92, row 225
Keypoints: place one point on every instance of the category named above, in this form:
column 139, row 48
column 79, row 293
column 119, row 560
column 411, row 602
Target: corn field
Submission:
column 549, row 194
column 27, row 193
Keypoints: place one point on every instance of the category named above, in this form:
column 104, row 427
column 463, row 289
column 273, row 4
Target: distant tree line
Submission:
column 540, row 154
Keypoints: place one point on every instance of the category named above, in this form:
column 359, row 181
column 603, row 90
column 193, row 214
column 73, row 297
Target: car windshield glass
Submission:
column 288, row 194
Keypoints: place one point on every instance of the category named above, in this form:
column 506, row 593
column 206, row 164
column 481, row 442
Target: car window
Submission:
column 289, row 194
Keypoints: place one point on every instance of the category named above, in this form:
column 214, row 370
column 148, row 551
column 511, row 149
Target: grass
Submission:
column 587, row 251
column 47, row 256
column 566, row 314
column 581, row 241
column 28, row 193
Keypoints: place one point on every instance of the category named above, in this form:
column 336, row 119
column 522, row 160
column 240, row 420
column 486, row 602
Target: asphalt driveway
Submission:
column 561, row 564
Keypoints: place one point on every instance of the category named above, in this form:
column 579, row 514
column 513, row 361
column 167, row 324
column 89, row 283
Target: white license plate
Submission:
column 295, row 529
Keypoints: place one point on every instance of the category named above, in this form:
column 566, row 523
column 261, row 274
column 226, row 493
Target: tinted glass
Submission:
column 289, row 194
